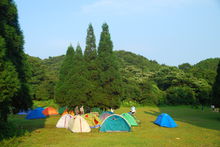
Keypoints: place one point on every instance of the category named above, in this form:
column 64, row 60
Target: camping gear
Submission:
column 78, row 124
column 164, row 120
column 115, row 123
column 50, row 111
column 68, row 112
column 130, row 119
column 64, row 121
column 61, row 110
column 92, row 119
column 105, row 114
column 36, row 114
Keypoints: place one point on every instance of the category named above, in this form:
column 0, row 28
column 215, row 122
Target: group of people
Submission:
column 79, row 111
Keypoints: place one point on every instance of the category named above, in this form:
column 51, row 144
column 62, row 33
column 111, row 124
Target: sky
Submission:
column 171, row 32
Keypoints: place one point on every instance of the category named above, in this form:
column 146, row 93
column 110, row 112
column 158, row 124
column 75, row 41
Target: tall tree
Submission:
column 110, row 80
column 90, row 50
column 61, row 89
column 9, row 83
column 216, row 88
column 10, row 31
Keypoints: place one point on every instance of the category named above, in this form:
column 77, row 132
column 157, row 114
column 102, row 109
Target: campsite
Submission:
column 109, row 73
column 195, row 128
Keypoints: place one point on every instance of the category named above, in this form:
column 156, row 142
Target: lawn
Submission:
column 195, row 128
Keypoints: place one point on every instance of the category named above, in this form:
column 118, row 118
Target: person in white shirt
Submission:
column 133, row 110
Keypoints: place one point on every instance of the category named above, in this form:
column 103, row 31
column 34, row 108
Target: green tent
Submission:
column 61, row 110
column 130, row 119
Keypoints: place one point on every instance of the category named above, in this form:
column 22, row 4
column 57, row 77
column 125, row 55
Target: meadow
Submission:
column 195, row 128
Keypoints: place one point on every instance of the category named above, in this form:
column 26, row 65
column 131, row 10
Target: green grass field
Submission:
column 195, row 128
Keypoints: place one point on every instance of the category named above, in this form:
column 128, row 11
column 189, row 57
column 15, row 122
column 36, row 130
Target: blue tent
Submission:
column 23, row 112
column 115, row 123
column 164, row 120
column 36, row 114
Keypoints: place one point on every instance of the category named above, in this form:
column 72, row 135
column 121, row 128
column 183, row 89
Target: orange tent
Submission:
column 68, row 112
column 50, row 111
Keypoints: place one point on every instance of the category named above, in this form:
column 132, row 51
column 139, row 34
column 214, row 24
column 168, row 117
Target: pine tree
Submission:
column 10, row 31
column 61, row 90
column 9, row 83
column 90, row 50
column 78, row 85
column 216, row 88
column 109, row 73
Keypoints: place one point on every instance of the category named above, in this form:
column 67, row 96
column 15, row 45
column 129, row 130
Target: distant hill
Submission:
column 206, row 69
column 134, row 69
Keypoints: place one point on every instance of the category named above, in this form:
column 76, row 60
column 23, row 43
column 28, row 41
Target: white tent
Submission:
column 64, row 121
column 78, row 124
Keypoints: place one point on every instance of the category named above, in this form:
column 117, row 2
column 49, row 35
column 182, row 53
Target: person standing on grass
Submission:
column 81, row 110
column 133, row 110
column 76, row 110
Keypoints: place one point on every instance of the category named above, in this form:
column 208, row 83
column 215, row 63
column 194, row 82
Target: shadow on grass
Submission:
column 205, row 119
column 18, row 126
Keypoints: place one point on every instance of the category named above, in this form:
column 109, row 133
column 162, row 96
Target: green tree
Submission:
column 61, row 90
column 10, row 31
column 216, row 88
column 110, row 80
column 90, row 50
column 9, row 83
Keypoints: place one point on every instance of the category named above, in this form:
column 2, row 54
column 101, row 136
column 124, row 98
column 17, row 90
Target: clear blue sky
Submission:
column 168, row 31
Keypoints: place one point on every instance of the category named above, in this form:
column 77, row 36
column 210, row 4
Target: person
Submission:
column 213, row 108
column 81, row 110
column 112, row 110
column 133, row 110
column 76, row 110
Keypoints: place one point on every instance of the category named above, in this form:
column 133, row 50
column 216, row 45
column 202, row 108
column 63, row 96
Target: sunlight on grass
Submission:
column 195, row 128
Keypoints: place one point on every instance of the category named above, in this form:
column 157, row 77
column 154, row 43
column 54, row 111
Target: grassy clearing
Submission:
column 196, row 128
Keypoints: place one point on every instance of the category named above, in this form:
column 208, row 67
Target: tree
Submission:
column 216, row 88
column 61, row 89
column 9, row 82
column 109, row 77
column 90, row 50
column 13, row 37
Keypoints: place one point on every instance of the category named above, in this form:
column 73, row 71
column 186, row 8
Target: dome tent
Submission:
column 164, row 120
column 64, row 121
column 36, row 114
column 78, row 124
column 115, row 123
column 130, row 119
column 92, row 119
column 50, row 111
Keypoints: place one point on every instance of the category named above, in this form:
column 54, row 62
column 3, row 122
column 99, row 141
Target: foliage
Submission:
column 216, row 88
column 180, row 96
column 14, row 67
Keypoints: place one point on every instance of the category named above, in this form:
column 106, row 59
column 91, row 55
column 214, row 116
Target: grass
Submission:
column 195, row 128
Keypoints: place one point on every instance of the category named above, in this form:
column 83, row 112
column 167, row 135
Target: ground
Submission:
column 195, row 128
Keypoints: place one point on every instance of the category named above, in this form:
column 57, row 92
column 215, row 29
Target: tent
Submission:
column 68, row 112
column 50, row 111
column 115, row 123
column 130, row 119
column 164, row 120
column 92, row 119
column 64, row 121
column 78, row 124
column 105, row 114
column 36, row 114
column 61, row 110
column 23, row 112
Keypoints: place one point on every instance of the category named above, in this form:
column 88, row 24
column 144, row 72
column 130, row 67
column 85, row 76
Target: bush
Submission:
column 180, row 96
